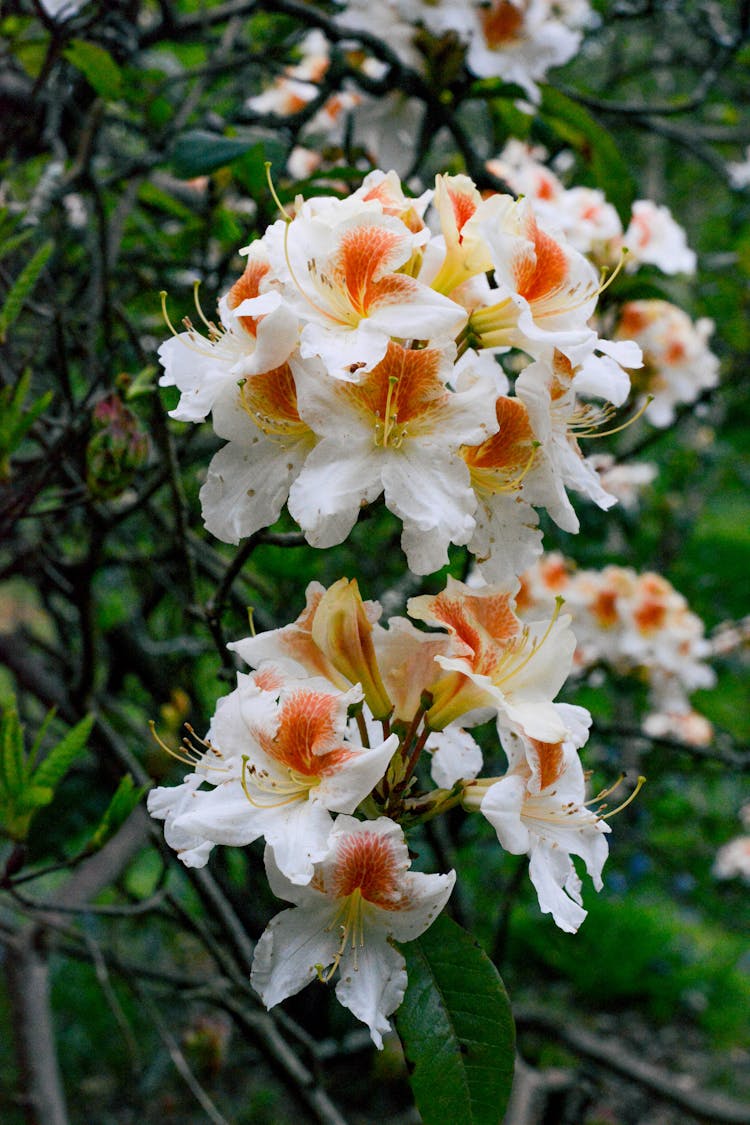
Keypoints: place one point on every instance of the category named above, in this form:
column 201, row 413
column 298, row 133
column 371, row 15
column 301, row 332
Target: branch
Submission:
column 716, row 1109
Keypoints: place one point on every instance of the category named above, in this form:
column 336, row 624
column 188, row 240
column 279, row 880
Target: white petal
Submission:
column 373, row 986
column 247, row 485
column 293, row 944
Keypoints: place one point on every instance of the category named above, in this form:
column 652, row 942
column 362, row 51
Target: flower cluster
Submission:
column 516, row 40
column 325, row 751
column 588, row 220
column 356, row 356
column 631, row 623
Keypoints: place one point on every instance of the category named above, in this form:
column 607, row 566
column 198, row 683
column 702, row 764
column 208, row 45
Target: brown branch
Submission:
column 716, row 1109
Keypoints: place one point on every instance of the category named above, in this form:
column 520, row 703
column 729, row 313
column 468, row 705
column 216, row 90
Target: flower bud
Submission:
column 116, row 449
column 342, row 630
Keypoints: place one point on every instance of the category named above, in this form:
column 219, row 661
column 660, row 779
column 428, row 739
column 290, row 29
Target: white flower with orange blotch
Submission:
column 398, row 431
column 257, row 334
column 499, row 665
column 290, row 758
column 361, row 899
column 546, row 291
column 539, row 809
column 344, row 266
column 558, row 420
column 240, row 374
column 248, row 480
column 519, row 41
column 507, row 538
column 654, row 238
column 677, row 361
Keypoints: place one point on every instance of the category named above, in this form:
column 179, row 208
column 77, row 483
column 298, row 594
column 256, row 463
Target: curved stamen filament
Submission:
column 165, row 314
column 274, row 194
column 189, row 754
column 591, row 295
column 289, row 791
column 625, row 425
column 624, row 805
column 536, row 645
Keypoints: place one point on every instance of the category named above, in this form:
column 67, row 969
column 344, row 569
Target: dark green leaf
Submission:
column 22, row 287
column 12, row 759
column 595, row 143
column 197, row 152
column 61, row 757
column 97, row 66
column 457, row 1029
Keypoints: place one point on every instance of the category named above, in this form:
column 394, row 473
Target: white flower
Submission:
column 538, row 809
column 519, row 40
column 341, row 261
column 655, row 238
column 499, row 666
column 678, row 364
column 455, row 756
column 396, row 431
column 361, row 898
column 281, row 758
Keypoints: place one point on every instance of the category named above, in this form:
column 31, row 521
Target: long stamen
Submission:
column 165, row 314
column 606, row 792
column 537, row 644
column 188, row 754
column 274, row 194
column 625, row 425
column 592, row 293
column 632, row 797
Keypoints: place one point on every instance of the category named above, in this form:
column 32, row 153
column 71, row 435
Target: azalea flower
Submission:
column 361, row 898
column 519, row 41
column 655, row 238
column 342, row 264
column 538, row 809
column 677, row 362
column 499, row 665
column 546, row 291
column 397, row 431
column 281, row 758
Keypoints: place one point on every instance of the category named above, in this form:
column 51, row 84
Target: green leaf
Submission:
column 14, row 241
column 97, row 66
column 22, row 287
column 125, row 799
column 197, row 152
column 12, row 758
column 457, row 1029
column 595, row 143
column 61, row 757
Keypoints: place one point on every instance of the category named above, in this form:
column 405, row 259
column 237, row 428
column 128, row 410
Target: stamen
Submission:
column 188, row 754
column 274, row 194
column 294, row 790
column 165, row 314
column 606, row 792
column 537, row 644
column 624, row 805
column 625, row 425
column 592, row 293
column 388, row 422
